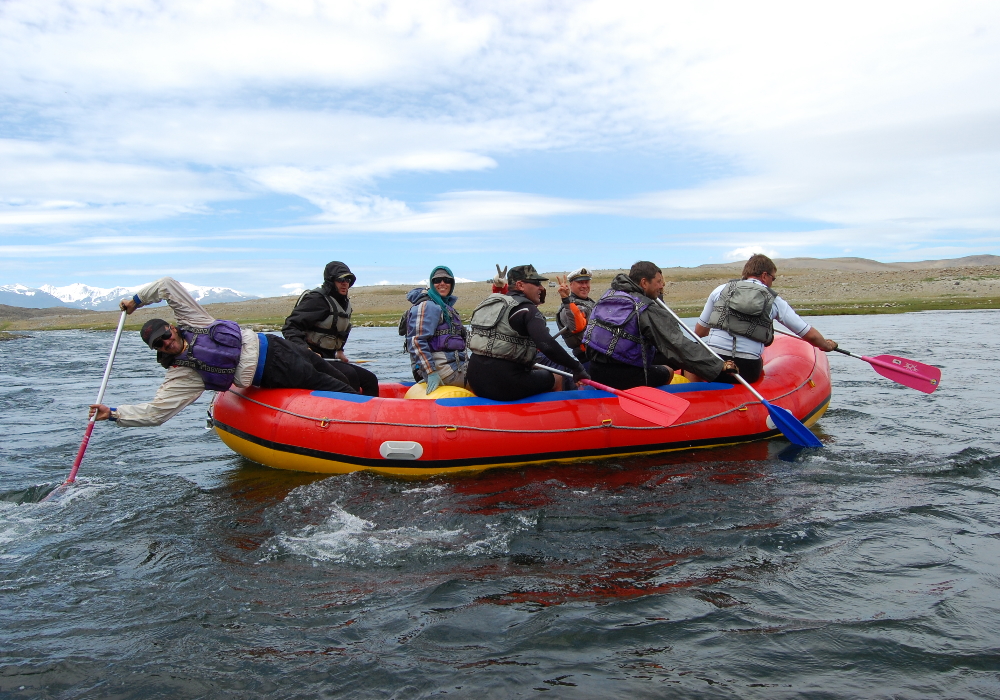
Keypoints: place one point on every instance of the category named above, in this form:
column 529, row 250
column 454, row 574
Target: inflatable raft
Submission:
column 328, row 432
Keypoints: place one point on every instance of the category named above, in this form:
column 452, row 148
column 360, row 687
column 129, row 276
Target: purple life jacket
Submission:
column 449, row 336
column 613, row 329
column 212, row 352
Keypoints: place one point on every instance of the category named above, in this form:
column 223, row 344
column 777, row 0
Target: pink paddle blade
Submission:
column 911, row 373
column 646, row 402
column 653, row 405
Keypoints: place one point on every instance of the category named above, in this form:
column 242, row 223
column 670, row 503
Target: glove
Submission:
column 580, row 374
column 433, row 382
column 501, row 279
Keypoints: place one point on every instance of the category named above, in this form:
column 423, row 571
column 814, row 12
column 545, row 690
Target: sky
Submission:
column 245, row 144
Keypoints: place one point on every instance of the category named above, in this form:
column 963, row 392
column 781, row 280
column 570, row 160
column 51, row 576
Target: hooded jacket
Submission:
column 659, row 327
column 422, row 322
column 314, row 307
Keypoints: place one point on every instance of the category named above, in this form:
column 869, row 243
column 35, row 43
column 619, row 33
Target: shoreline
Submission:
column 814, row 287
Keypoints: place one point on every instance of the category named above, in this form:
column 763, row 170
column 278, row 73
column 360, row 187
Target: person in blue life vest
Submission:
column 320, row 323
column 507, row 332
column 632, row 341
column 435, row 336
column 200, row 353
column 738, row 318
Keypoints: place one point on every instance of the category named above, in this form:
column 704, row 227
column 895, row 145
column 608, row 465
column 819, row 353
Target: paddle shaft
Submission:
column 100, row 397
column 869, row 360
column 697, row 337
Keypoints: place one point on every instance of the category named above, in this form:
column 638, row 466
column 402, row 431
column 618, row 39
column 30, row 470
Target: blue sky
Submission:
column 245, row 144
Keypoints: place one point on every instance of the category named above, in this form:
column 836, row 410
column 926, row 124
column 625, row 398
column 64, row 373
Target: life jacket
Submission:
column 212, row 352
column 586, row 306
column 449, row 336
column 744, row 308
column 330, row 333
column 493, row 336
column 613, row 329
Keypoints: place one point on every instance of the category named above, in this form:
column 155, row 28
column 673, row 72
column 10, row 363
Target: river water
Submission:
column 176, row 569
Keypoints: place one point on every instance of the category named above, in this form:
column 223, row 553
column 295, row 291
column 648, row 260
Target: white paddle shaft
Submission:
column 705, row 345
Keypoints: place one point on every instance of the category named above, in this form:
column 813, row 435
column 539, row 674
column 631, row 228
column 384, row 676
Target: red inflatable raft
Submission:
column 336, row 433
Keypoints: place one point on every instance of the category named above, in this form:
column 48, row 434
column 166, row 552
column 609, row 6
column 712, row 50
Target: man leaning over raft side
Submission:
column 628, row 330
column 739, row 316
column 202, row 353
column 507, row 333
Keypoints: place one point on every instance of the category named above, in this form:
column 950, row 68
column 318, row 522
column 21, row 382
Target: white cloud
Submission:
column 747, row 251
column 876, row 121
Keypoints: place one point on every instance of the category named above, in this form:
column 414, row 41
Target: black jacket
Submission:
column 313, row 308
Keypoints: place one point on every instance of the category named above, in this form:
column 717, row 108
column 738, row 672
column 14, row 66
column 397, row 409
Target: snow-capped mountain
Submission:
column 83, row 296
column 27, row 297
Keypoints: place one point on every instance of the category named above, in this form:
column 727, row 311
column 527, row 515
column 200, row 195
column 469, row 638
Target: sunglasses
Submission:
column 439, row 280
column 158, row 343
column 534, row 282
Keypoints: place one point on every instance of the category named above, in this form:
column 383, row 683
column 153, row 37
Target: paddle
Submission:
column 789, row 425
column 901, row 370
column 644, row 402
column 100, row 397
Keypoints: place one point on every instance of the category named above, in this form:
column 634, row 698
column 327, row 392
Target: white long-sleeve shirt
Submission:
column 182, row 386
column 722, row 342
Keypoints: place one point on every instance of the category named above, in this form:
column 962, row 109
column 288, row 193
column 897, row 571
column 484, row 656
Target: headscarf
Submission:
column 433, row 293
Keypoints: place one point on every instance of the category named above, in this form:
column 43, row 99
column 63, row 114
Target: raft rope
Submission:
column 324, row 419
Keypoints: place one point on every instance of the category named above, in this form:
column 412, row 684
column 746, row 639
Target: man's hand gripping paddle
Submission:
column 901, row 370
column 644, row 402
column 789, row 425
column 90, row 425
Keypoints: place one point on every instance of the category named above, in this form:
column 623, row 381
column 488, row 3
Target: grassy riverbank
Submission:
column 813, row 286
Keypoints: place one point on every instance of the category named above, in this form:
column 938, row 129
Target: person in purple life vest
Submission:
column 435, row 336
column 631, row 341
column 200, row 353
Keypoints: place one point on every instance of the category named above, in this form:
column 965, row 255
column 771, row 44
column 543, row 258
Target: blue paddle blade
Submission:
column 791, row 427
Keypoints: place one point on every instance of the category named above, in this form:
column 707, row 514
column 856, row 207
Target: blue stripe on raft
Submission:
column 696, row 386
column 582, row 394
column 350, row 398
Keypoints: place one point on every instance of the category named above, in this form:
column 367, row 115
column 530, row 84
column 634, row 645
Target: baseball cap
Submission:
column 153, row 330
column 581, row 275
column 528, row 273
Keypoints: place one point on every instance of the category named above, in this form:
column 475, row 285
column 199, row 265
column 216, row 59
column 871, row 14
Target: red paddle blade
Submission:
column 911, row 373
column 653, row 405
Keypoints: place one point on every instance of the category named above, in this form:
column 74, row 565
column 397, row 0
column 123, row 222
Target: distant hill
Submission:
column 864, row 264
column 27, row 297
